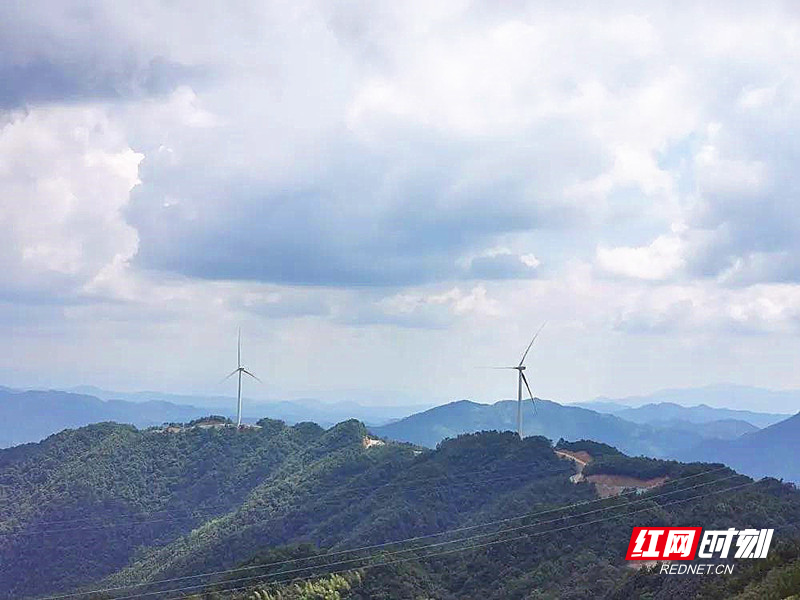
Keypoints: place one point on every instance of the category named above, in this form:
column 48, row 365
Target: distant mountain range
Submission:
column 728, row 396
column 662, row 429
column 325, row 413
column 31, row 415
column 772, row 451
column 554, row 421
column 669, row 412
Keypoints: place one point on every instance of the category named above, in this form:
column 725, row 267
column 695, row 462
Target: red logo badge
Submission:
column 663, row 543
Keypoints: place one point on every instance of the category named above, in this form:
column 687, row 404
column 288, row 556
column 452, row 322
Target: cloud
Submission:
column 695, row 310
column 422, row 308
column 662, row 259
column 345, row 167
column 70, row 52
column 359, row 222
column 44, row 82
column 65, row 178
column 502, row 263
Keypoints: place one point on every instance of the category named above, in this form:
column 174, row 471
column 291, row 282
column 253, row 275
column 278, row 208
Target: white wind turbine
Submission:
column 521, row 379
column 239, row 370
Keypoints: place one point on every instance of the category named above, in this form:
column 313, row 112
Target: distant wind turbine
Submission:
column 239, row 370
column 521, row 379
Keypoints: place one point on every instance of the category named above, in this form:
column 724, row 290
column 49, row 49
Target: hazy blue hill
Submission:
column 602, row 406
column 724, row 429
column 551, row 420
column 291, row 411
column 30, row 416
column 771, row 451
column 664, row 412
column 778, row 404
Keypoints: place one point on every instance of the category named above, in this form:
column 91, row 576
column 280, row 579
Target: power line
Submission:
column 433, row 555
column 373, row 489
column 428, row 536
column 482, row 535
column 309, row 578
column 519, row 537
column 225, row 505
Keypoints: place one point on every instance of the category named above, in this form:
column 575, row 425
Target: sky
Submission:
column 388, row 196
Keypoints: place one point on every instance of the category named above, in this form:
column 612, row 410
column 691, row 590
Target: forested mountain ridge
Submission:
column 554, row 420
column 577, row 554
column 84, row 510
column 113, row 487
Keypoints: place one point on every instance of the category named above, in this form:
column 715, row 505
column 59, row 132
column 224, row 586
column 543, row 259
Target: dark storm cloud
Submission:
column 69, row 52
column 408, row 213
column 43, row 81
column 500, row 266
column 752, row 241
column 310, row 239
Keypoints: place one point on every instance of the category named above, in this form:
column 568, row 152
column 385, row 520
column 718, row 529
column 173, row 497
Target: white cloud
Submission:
column 373, row 153
column 65, row 179
column 718, row 175
column 662, row 259
column 436, row 308
column 757, row 98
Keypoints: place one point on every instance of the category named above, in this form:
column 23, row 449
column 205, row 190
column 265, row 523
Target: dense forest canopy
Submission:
column 281, row 512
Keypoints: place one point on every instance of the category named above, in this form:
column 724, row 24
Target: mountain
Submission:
column 29, row 416
column 727, row 396
column 665, row 412
column 32, row 415
column 723, row 429
column 292, row 411
column 554, row 421
column 601, row 406
column 276, row 511
column 770, row 451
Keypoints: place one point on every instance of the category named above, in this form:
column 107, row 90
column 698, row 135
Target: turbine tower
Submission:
column 521, row 379
column 238, row 371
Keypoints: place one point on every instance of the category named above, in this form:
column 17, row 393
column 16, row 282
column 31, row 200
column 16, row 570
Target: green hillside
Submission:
column 148, row 514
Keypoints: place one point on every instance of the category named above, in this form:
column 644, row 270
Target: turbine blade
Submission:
column 495, row 367
column 239, row 348
column 232, row 373
column 531, row 344
column 530, row 393
column 251, row 375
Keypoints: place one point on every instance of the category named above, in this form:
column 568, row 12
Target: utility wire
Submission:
column 473, row 537
column 373, row 489
column 376, row 488
column 426, row 556
column 297, row 579
column 428, row 536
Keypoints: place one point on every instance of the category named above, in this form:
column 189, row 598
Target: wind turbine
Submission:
column 521, row 379
column 239, row 370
